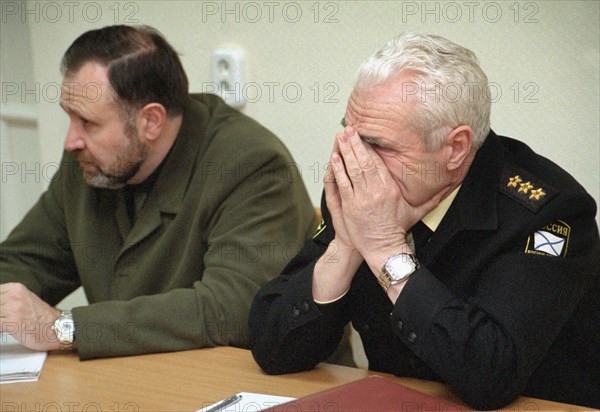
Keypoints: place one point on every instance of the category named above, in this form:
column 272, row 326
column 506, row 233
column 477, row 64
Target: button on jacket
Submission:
column 223, row 217
column 506, row 301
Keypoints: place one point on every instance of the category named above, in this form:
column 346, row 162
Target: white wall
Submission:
column 20, row 167
column 542, row 57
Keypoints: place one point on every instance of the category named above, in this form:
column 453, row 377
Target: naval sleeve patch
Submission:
column 551, row 240
column 525, row 188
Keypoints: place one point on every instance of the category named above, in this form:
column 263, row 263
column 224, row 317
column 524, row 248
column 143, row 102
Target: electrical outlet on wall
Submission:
column 227, row 66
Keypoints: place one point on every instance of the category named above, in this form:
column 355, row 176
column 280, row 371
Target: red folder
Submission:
column 374, row 393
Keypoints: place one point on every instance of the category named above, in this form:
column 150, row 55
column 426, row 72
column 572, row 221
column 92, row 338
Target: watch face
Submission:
column 401, row 266
column 64, row 329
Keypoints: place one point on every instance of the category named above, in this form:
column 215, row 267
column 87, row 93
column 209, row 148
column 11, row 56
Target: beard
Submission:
column 122, row 170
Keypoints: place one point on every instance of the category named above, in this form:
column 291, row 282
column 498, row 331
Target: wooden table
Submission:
column 186, row 381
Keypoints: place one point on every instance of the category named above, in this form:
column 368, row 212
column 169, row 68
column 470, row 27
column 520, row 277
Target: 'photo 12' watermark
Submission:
column 69, row 407
column 270, row 11
column 117, row 12
column 273, row 92
column 470, row 11
column 51, row 92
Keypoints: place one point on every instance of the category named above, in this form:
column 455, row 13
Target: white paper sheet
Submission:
column 250, row 402
column 17, row 363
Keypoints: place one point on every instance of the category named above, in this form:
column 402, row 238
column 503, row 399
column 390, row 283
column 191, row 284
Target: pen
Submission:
column 232, row 400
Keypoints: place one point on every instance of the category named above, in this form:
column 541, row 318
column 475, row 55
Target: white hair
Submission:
column 451, row 87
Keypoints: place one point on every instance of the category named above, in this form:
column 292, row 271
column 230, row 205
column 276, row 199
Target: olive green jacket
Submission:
column 227, row 212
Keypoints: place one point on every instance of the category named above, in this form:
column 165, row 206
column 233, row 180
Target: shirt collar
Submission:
column 433, row 219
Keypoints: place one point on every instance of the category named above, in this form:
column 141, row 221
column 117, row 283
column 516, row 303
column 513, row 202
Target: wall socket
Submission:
column 227, row 66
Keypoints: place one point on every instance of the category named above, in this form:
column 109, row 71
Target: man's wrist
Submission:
column 377, row 259
column 397, row 269
column 394, row 291
column 64, row 329
column 334, row 271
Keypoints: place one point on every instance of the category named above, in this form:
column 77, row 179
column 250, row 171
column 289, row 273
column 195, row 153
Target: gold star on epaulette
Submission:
column 513, row 181
column 524, row 187
column 537, row 194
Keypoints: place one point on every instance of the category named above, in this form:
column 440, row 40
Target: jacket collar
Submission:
column 172, row 183
column 474, row 207
column 433, row 219
column 170, row 188
column 476, row 201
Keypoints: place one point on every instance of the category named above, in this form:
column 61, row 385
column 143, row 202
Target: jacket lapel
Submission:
column 166, row 197
column 123, row 223
column 474, row 207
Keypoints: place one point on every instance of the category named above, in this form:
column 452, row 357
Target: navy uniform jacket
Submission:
column 505, row 303
column 226, row 213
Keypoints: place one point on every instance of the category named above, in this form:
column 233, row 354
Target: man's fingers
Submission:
column 351, row 163
column 365, row 168
column 382, row 171
column 332, row 195
column 363, row 157
column 343, row 183
column 329, row 175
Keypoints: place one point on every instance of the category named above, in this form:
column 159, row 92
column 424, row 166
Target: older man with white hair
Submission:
column 458, row 255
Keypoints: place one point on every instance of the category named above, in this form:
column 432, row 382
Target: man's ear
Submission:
column 151, row 120
column 459, row 143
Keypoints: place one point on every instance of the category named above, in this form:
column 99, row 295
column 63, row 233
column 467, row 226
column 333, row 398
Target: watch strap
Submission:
column 65, row 340
column 386, row 280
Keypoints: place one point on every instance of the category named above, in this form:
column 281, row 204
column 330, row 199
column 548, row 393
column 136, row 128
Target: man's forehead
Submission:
column 90, row 89
column 393, row 91
column 86, row 92
column 378, row 113
column 89, row 82
column 88, row 101
column 367, row 108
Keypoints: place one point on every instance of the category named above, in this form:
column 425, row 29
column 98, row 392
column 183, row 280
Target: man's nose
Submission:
column 73, row 141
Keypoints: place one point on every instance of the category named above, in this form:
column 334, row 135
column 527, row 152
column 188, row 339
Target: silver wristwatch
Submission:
column 64, row 328
column 397, row 269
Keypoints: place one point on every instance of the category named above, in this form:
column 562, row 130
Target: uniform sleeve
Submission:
column 261, row 218
column 37, row 252
column 487, row 346
column 289, row 332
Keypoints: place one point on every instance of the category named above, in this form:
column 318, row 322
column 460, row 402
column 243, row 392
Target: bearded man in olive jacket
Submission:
column 170, row 210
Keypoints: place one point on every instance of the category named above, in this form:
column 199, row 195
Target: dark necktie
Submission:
column 421, row 235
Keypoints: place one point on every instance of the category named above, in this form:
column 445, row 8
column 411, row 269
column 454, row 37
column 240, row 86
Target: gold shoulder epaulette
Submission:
column 525, row 188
